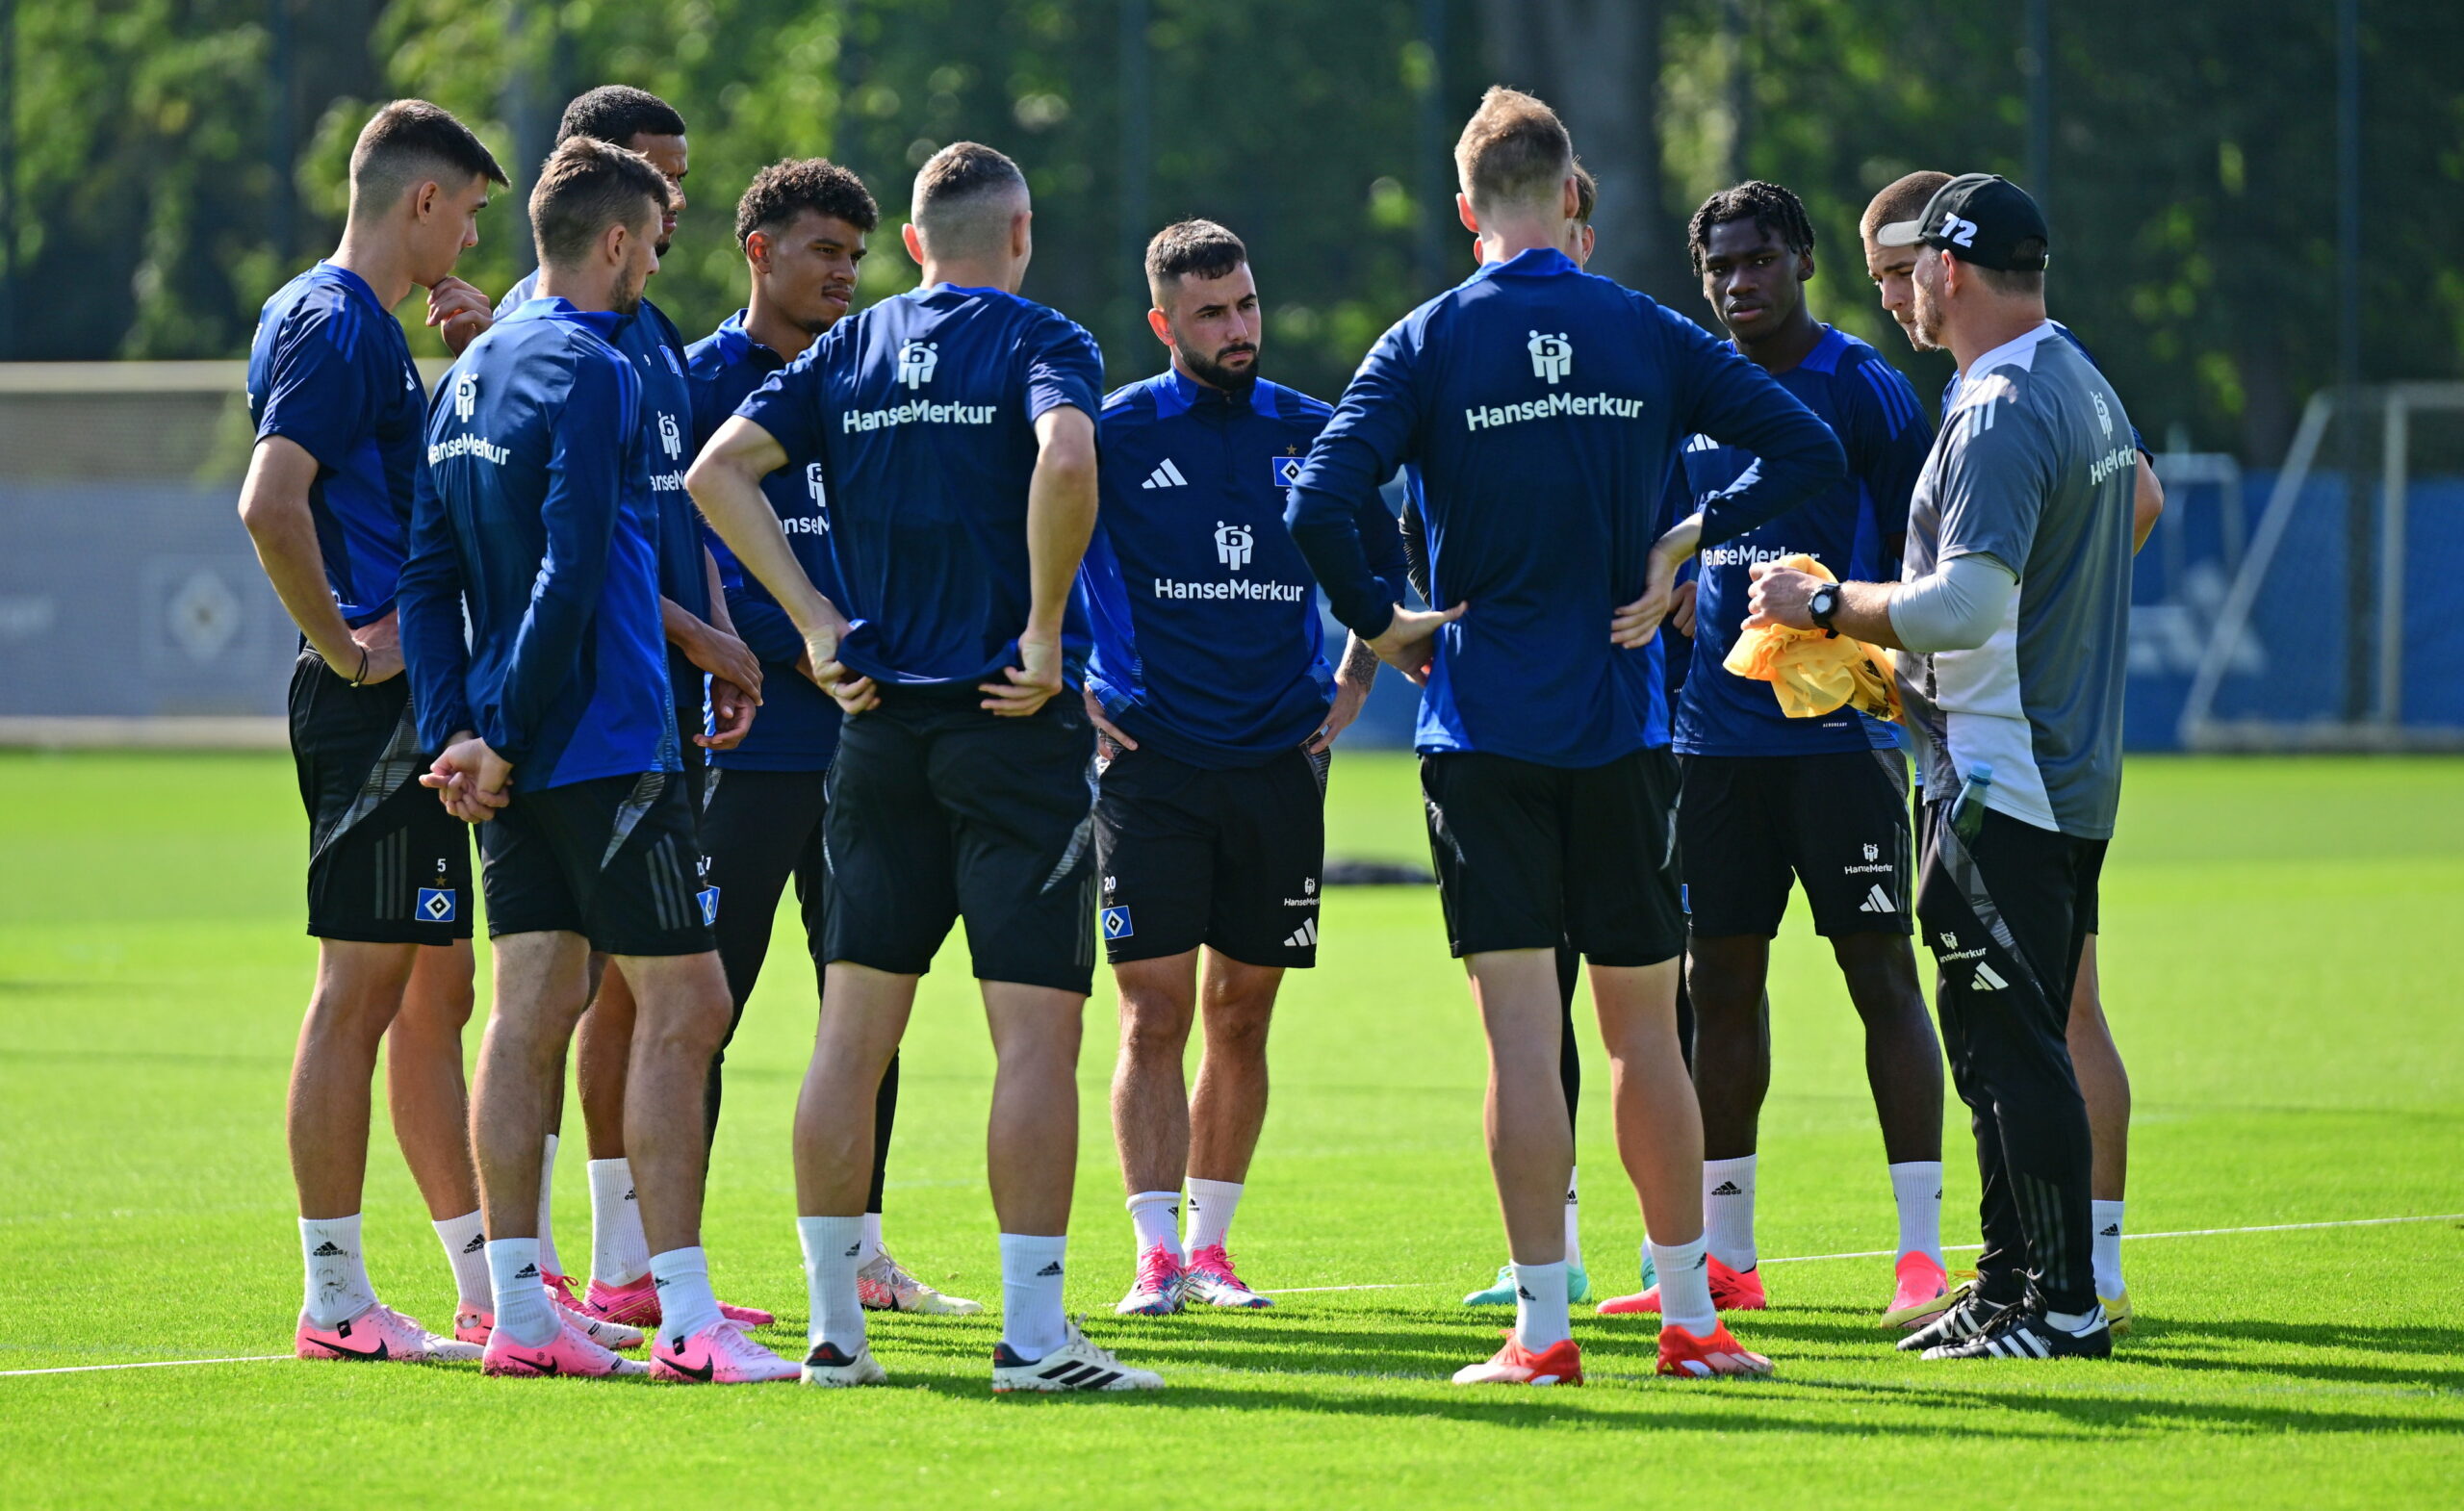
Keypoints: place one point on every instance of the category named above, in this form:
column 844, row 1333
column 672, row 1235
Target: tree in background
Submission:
column 175, row 159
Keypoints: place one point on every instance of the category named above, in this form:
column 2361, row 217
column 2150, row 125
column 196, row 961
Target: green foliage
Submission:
column 2193, row 191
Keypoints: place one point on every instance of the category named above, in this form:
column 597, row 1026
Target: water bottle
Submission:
column 1967, row 810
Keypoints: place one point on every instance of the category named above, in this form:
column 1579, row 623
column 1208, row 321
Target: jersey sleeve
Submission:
column 1064, row 368
column 428, row 601
column 318, row 391
column 594, row 445
column 788, row 406
column 1997, row 469
column 1731, row 399
column 1888, row 441
column 1370, row 435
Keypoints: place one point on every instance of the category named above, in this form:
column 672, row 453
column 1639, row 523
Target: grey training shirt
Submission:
column 2033, row 468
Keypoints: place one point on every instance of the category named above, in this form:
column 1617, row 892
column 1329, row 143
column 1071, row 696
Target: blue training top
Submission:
column 1854, row 528
column 330, row 372
column 798, row 727
column 534, row 518
column 921, row 411
column 1538, row 410
column 1208, row 647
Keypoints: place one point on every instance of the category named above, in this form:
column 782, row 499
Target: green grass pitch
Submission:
column 2279, row 968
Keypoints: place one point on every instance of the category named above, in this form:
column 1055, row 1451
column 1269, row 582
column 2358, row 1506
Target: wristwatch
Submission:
column 1824, row 604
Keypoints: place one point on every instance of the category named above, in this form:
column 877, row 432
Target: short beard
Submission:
column 1207, row 370
column 627, row 304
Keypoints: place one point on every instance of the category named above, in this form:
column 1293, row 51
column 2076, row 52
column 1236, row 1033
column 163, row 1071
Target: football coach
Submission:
column 2014, row 606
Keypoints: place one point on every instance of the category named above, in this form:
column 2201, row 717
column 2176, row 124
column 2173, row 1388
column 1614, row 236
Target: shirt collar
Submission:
column 1539, row 262
column 357, row 285
column 601, row 323
column 2018, row 351
column 1176, row 393
column 737, row 345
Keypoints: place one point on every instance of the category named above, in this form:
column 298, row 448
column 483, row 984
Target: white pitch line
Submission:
column 2128, row 1237
column 1407, row 1285
column 151, row 1364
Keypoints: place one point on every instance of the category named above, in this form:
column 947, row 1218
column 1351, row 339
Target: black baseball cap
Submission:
column 1978, row 217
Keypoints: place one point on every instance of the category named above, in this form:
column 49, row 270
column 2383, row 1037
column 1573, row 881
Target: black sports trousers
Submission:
column 759, row 829
column 2006, row 914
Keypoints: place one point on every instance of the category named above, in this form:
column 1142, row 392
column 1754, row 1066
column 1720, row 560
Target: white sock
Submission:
column 1917, row 1188
column 618, row 1253
column 521, row 1307
column 1728, row 1210
column 1032, row 1269
column 833, row 1252
column 548, row 1262
column 1540, row 1306
column 1574, row 1223
column 1686, row 1286
column 1212, row 1204
column 872, row 1240
column 2076, row 1321
column 1155, row 1217
column 466, row 1250
column 338, row 1288
column 2105, row 1249
column 686, row 1304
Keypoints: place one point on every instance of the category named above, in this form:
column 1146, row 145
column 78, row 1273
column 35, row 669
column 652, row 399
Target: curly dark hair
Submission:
column 786, row 189
column 618, row 112
column 1775, row 210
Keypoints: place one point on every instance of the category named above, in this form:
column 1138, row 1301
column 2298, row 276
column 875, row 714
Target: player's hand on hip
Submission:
column 470, row 778
column 1409, row 641
column 722, row 654
column 1031, row 683
column 380, row 642
column 1632, row 626
column 1680, row 608
column 1780, row 596
column 1350, row 695
column 1105, row 727
column 459, row 312
column 732, row 716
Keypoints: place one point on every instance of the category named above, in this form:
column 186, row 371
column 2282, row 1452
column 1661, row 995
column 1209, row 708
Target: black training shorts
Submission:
column 1529, row 856
column 387, row 864
column 1228, row 859
column 940, row 811
column 1749, row 825
column 613, row 860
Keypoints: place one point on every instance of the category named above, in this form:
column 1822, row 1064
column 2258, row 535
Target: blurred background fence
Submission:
column 2258, row 206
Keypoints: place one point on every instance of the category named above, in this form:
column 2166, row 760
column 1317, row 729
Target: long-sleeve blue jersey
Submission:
column 654, row 345
column 1537, row 411
column 1852, row 529
column 534, row 517
column 1208, row 647
column 922, row 410
column 798, row 727
column 330, row 372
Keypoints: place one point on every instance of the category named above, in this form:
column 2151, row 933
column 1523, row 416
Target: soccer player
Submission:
column 1538, row 409
column 2015, row 605
column 803, row 225
column 700, row 639
column 954, row 427
column 337, row 404
column 1768, row 800
column 1209, row 680
column 1580, row 240
column 2097, row 1059
column 536, row 524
